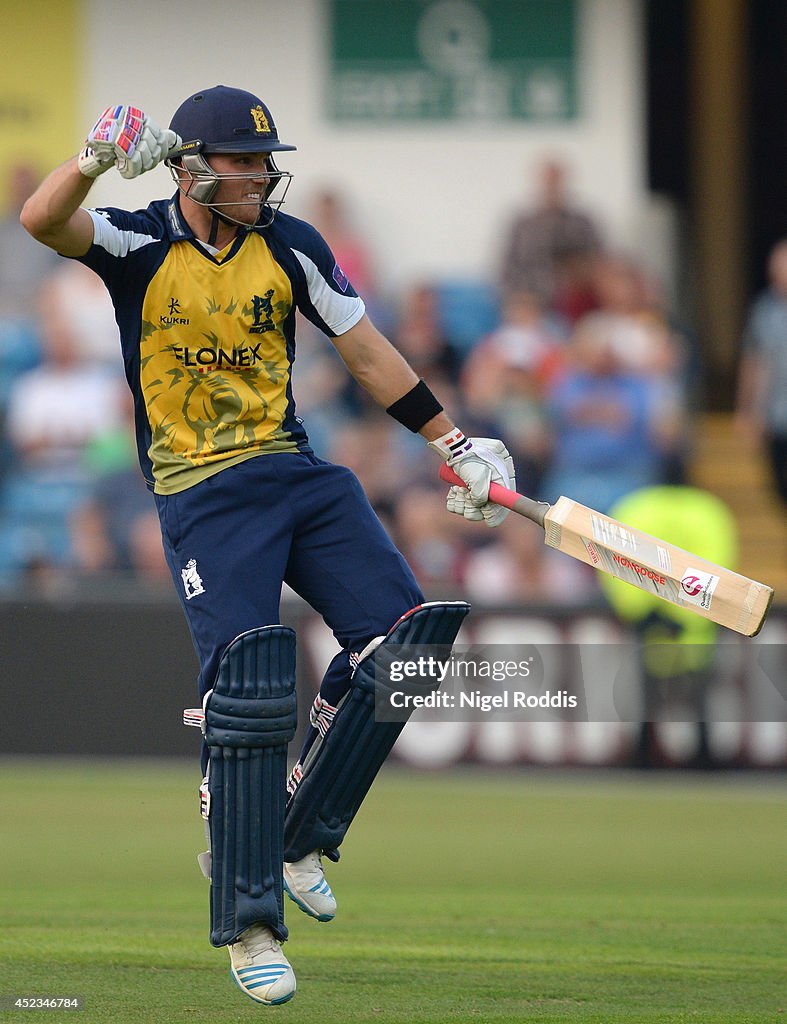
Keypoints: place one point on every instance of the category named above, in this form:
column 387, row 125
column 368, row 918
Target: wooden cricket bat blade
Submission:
column 654, row 565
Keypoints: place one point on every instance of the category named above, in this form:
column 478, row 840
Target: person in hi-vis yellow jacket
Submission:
column 677, row 646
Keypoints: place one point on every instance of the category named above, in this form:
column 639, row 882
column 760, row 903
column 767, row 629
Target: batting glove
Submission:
column 127, row 138
column 479, row 461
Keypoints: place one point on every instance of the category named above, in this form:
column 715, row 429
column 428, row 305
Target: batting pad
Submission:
column 250, row 717
column 341, row 766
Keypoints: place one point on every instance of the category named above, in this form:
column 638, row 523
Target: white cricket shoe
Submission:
column 259, row 967
column 305, row 884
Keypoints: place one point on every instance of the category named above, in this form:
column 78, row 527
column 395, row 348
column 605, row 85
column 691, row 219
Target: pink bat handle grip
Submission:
column 533, row 510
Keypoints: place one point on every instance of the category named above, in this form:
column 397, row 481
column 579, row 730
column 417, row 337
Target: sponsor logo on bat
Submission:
column 641, row 570
column 691, row 585
column 698, row 587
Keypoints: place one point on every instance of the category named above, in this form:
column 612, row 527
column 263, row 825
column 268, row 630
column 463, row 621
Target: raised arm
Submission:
column 122, row 137
column 53, row 214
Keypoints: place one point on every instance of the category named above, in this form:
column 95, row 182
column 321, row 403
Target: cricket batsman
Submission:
column 206, row 285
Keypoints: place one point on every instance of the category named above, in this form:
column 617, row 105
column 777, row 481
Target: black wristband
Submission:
column 415, row 408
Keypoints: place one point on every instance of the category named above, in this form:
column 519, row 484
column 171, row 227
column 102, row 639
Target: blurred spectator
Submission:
column 24, row 263
column 518, row 568
column 762, row 390
column 684, row 365
column 468, row 309
column 551, row 247
column 427, row 536
column 331, row 219
column 115, row 530
column 676, row 647
column 83, row 300
column 628, row 319
column 611, row 427
column 506, row 377
column 20, row 352
column 55, row 411
column 367, row 447
column 632, row 321
column 61, row 405
column 23, row 266
column 420, row 336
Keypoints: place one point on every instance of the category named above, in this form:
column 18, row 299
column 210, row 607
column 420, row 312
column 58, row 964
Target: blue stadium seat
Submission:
column 19, row 351
column 34, row 518
column 468, row 310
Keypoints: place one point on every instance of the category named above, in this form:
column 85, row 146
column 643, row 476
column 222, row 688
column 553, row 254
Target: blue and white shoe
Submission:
column 305, row 884
column 259, row 967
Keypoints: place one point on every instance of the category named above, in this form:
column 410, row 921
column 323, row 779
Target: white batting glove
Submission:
column 127, row 138
column 479, row 461
column 154, row 146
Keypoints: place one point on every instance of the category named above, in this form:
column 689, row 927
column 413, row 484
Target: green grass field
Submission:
column 465, row 897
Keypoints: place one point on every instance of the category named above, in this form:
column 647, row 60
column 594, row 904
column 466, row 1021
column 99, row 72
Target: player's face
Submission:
column 247, row 190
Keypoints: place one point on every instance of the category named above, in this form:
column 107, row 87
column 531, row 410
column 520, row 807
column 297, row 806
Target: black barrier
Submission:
column 110, row 674
column 96, row 678
column 107, row 674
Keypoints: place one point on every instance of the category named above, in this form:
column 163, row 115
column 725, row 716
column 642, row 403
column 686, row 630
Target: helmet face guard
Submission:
column 196, row 179
column 225, row 120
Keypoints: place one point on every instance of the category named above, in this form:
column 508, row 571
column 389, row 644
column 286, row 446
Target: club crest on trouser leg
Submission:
column 192, row 581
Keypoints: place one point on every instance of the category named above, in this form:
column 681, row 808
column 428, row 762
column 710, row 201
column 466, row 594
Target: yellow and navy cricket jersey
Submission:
column 209, row 341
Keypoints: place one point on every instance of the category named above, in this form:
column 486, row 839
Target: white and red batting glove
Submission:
column 127, row 138
column 479, row 461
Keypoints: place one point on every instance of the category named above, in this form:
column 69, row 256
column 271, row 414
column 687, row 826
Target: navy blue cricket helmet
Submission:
column 223, row 120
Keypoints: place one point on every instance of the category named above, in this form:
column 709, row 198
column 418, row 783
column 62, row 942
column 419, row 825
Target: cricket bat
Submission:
column 661, row 568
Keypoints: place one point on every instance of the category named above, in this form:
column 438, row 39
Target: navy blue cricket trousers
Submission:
column 232, row 539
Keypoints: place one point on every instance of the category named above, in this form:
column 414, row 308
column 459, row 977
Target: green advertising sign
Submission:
column 444, row 60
